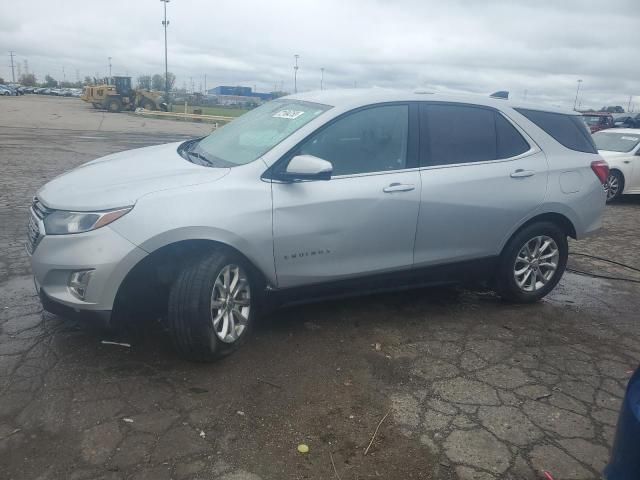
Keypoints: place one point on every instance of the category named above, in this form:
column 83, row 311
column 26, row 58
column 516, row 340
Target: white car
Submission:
column 620, row 147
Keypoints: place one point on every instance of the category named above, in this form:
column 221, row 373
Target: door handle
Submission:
column 398, row 187
column 520, row 173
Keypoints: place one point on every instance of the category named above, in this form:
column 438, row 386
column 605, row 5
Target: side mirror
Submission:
column 307, row 167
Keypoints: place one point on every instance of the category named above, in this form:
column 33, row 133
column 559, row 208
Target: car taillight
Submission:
column 601, row 169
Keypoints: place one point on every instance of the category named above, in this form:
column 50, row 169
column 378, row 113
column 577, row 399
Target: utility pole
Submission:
column 13, row 73
column 64, row 76
column 109, row 82
column 629, row 104
column 26, row 66
column 575, row 102
column 205, row 84
column 165, row 23
column 295, row 74
column 321, row 78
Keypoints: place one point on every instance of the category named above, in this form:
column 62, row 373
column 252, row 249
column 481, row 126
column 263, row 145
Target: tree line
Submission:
column 147, row 82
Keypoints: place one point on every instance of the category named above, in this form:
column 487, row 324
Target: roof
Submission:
column 353, row 98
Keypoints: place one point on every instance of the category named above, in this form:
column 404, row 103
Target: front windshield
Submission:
column 256, row 132
column 616, row 142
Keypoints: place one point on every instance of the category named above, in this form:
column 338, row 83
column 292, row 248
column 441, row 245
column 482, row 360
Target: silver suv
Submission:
column 318, row 195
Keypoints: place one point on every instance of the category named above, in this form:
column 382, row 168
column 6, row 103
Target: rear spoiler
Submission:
column 503, row 94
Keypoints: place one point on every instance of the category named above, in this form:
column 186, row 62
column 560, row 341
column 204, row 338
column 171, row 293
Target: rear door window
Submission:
column 453, row 134
column 568, row 130
column 510, row 142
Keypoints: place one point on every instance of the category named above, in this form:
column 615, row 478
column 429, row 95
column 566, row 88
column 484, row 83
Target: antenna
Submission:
column 501, row 94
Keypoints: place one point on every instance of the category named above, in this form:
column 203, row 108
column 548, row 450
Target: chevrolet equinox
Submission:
column 317, row 195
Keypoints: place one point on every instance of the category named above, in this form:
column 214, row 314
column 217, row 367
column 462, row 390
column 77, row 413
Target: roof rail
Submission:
column 502, row 94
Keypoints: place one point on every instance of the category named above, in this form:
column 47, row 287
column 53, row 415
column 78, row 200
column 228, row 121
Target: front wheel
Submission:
column 114, row 105
column 211, row 306
column 532, row 263
column 614, row 185
column 148, row 105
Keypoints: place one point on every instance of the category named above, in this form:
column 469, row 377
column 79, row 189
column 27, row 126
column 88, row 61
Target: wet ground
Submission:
column 473, row 388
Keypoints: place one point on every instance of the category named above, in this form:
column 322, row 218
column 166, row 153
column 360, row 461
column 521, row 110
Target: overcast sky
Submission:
column 538, row 46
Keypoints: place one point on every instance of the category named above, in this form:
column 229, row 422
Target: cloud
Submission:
column 542, row 47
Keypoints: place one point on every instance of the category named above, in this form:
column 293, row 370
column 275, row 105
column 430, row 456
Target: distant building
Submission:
column 228, row 95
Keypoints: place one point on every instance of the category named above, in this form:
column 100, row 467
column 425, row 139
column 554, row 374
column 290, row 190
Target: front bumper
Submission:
column 99, row 317
column 106, row 252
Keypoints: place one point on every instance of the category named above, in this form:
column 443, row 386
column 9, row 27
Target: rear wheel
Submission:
column 114, row 105
column 532, row 263
column 211, row 306
column 614, row 185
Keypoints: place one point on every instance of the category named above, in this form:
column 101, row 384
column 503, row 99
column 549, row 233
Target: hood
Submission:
column 119, row 180
column 609, row 154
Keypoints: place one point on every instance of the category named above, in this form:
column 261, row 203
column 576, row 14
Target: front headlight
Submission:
column 61, row 222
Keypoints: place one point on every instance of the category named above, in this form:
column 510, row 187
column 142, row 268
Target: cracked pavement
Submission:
column 477, row 389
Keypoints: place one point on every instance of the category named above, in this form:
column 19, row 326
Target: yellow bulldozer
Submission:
column 121, row 96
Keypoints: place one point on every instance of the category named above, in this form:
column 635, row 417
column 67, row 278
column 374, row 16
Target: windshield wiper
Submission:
column 200, row 157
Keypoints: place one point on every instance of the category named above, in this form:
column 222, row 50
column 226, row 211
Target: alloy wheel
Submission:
column 230, row 303
column 612, row 187
column 536, row 263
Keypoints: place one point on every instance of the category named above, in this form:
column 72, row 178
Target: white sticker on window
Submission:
column 288, row 114
column 632, row 139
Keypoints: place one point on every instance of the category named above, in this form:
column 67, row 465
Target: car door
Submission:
column 480, row 177
column 634, row 160
column 363, row 219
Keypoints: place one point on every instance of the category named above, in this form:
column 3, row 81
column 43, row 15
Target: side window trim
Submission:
column 413, row 136
column 424, row 150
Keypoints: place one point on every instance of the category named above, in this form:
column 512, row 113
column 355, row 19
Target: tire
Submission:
column 192, row 314
column 615, row 185
column 148, row 105
column 114, row 105
column 515, row 259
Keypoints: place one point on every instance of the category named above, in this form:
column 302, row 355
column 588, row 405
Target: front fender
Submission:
column 264, row 264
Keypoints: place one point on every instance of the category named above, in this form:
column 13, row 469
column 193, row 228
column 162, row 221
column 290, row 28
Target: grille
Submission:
column 38, row 212
column 33, row 234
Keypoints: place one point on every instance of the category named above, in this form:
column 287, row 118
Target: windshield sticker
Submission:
column 288, row 114
column 632, row 139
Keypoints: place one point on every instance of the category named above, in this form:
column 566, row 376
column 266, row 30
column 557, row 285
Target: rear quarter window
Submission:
column 568, row 130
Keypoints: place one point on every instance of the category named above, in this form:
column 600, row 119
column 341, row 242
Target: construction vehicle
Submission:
column 120, row 96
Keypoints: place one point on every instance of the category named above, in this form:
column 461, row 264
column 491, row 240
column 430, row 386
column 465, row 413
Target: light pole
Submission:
column 295, row 74
column 165, row 23
column 109, row 69
column 321, row 78
column 575, row 102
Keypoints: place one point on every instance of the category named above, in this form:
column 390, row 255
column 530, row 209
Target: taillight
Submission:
column 601, row 169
